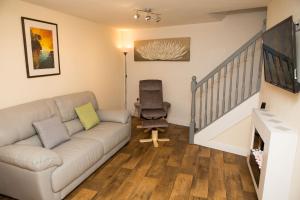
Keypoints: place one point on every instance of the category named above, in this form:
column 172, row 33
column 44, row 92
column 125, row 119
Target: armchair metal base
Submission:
column 155, row 138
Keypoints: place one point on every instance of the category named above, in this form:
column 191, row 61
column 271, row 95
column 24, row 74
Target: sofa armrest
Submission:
column 28, row 157
column 120, row 116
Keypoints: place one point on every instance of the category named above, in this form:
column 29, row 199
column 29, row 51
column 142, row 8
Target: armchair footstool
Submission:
column 154, row 125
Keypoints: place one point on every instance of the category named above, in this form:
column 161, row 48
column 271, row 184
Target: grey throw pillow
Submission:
column 52, row 132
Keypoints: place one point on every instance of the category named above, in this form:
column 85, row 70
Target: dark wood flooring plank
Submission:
column 160, row 162
column 136, row 155
column 165, row 185
column 204, row 152
column 109, row 190
column 85, row 194
column 176, row 157
column 216, row 159
column 216, row 183
column 182, row 187
column 230, row 158
column 250, row 196
column 196, row 198
column 200, row 182
column 105, row 175
column 189, row 160
column 110, row 168
column 246, row 179
column 234, row 190
column 144, row 190
column 130, row 183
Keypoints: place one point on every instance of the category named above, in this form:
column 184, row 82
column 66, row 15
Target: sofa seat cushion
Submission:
column 78, row 155
column 110, row 134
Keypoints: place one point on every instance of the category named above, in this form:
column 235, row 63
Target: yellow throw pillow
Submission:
column 87, row 116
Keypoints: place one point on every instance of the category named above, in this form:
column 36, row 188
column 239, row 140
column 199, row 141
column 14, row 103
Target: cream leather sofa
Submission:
column 30, row 172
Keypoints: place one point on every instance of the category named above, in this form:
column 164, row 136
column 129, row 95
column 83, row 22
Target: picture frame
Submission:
column 41, row 47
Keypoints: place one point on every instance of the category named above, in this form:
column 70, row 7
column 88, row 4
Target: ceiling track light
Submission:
column 147, row 14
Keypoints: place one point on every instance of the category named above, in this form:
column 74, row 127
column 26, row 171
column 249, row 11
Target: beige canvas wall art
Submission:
column 170, row 49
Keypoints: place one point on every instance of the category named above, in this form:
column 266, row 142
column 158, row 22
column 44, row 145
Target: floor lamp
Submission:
column 125, row 78
column 125, row 45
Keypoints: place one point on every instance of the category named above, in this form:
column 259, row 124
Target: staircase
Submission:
column 228, row 93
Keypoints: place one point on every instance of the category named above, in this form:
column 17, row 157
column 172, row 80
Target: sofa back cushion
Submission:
column 74, row 126
column 66, row 104
column 16, row 122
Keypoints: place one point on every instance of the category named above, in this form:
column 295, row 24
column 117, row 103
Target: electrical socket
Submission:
column 297, row 25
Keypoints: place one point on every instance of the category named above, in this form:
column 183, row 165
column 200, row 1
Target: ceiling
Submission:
column 119, row 13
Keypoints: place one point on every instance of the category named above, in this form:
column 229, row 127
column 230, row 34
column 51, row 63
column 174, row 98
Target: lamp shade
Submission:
column 125, row 40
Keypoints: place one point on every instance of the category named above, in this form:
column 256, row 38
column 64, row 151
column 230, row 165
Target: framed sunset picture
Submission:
column 41, row 47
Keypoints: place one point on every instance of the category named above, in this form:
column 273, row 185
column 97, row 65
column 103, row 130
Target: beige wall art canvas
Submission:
column 170, row 49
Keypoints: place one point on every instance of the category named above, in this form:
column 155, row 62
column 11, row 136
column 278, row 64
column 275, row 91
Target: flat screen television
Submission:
column 279, row 53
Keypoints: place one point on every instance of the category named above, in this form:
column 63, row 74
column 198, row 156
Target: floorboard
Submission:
column 85, row 194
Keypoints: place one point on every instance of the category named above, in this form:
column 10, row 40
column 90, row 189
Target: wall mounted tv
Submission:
column 279, row 52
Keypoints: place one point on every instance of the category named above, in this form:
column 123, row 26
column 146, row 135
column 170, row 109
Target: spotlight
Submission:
column 158, row 19
column 148, row 18
column 136, row 16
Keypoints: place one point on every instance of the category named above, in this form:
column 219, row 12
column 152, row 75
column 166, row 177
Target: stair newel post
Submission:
column 193, row 110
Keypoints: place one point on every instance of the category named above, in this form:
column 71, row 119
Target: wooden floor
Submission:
column 175, row 170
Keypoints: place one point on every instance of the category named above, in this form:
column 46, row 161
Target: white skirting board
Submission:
column 227, row 148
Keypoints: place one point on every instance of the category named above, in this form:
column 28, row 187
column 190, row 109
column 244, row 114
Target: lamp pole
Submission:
column 125, row 79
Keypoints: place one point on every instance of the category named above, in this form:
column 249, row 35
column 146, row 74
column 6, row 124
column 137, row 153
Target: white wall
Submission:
column 89, row 59
column 238, row 135
column 284, row 104
column 211, row 43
